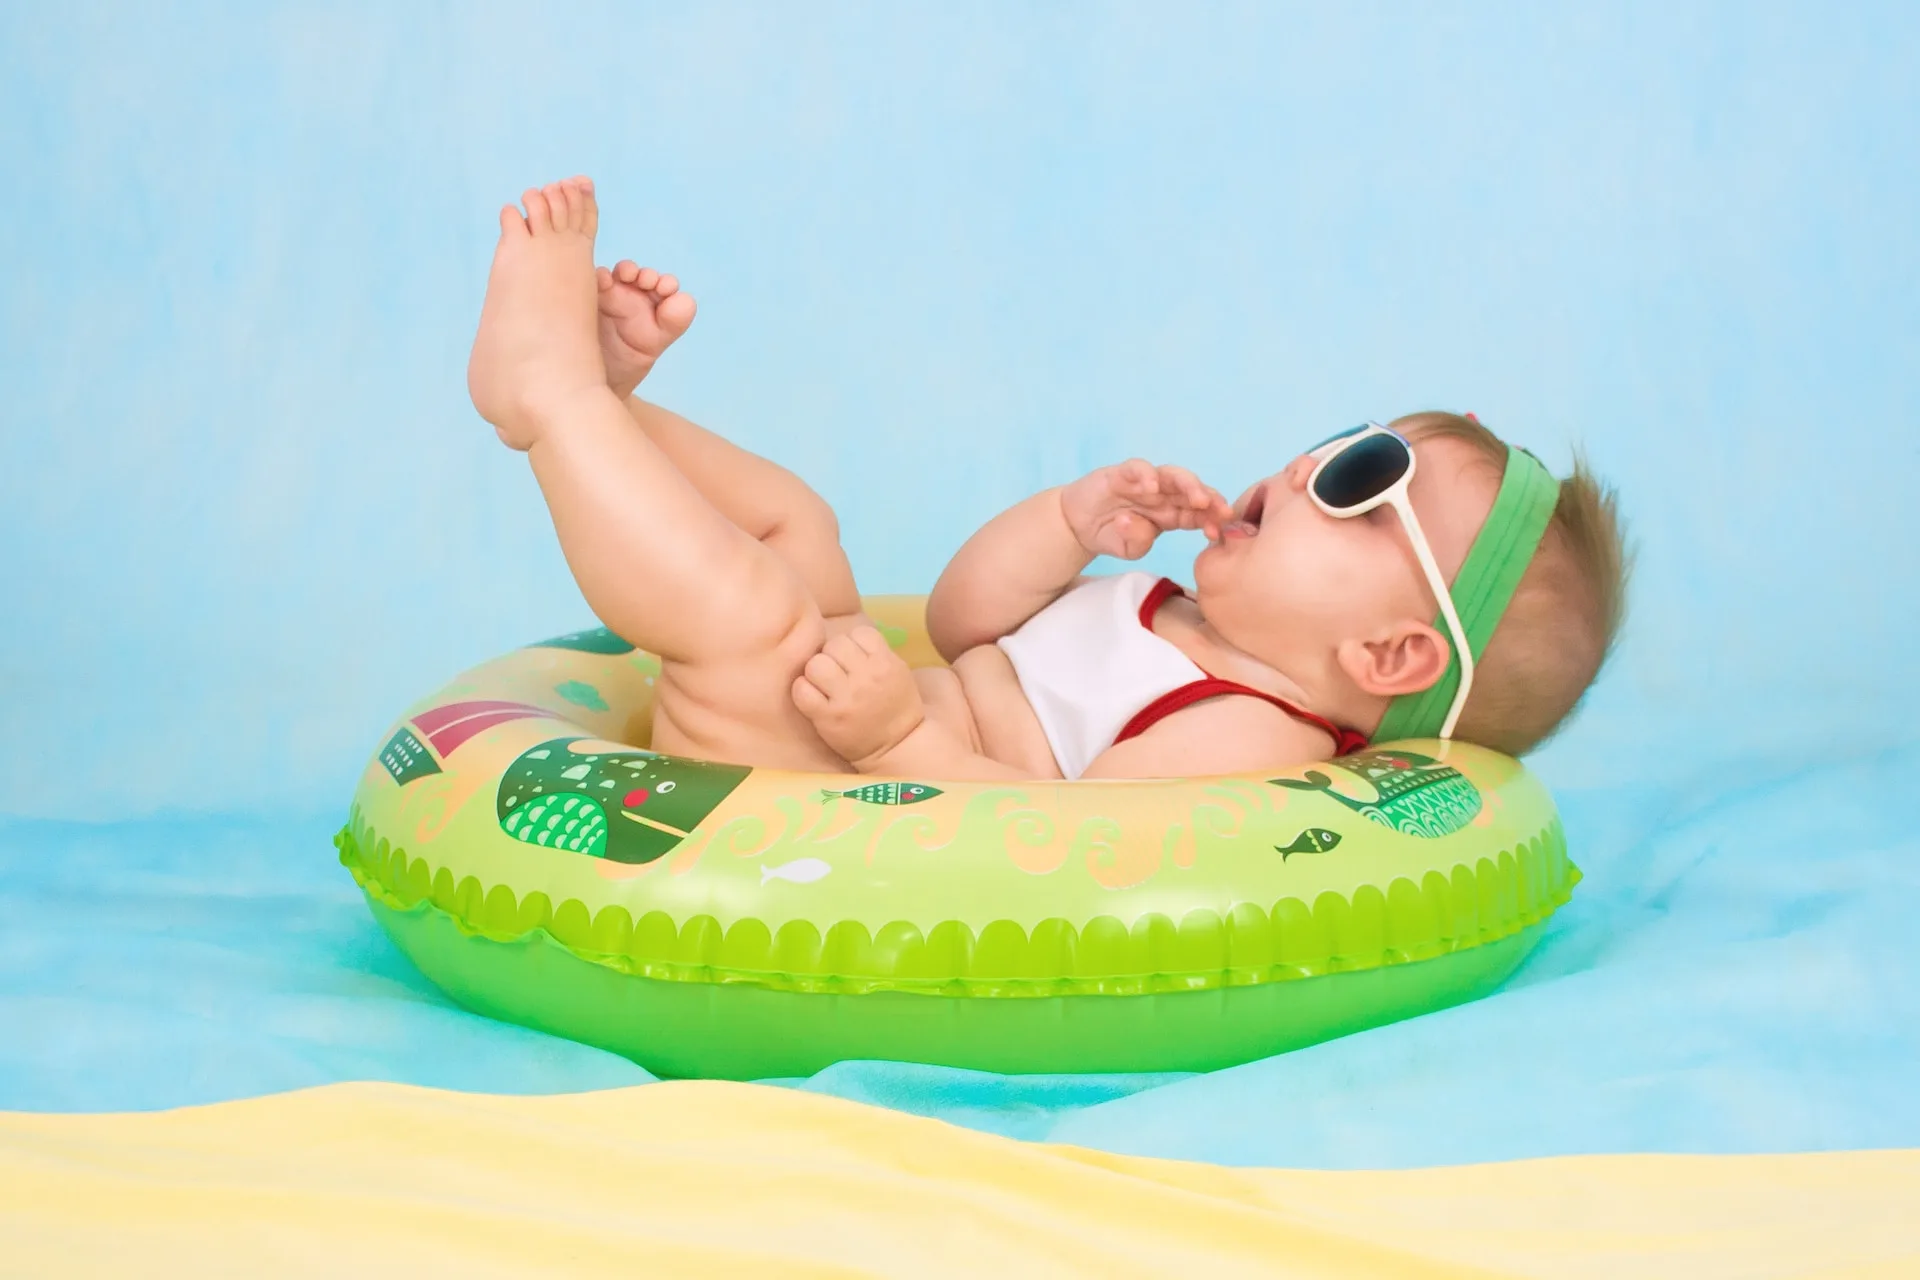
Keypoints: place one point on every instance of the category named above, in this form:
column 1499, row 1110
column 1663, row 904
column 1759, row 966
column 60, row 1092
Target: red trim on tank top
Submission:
column 1345, row 741
column 1163, row 591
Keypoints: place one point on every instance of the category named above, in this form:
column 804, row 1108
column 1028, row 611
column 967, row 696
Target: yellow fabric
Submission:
column 705, row 1179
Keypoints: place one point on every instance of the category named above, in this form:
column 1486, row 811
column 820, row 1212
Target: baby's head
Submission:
column 1343, row 608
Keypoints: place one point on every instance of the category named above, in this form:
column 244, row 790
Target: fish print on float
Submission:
column 626, row 806
column 888, row 793
column 1415, row 795
column 799, row 871
column 1312, row 840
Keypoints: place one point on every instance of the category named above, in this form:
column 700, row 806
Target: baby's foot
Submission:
column 536, row 347
column 641, row 313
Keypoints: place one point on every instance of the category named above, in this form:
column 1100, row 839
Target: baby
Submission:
column 1417, row 580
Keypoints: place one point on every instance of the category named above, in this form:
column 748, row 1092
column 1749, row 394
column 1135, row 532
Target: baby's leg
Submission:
column 642, row 313
column 787, row 516
column 732, row 622
column 770, row 503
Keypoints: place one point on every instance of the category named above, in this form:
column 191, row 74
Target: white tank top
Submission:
column 1089, row 667
column 1096, row 673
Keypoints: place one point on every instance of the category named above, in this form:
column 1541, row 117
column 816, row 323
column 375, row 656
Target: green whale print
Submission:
column 1413, row 794
column 626, row 806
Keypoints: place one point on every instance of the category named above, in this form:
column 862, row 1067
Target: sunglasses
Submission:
column 1371, row 466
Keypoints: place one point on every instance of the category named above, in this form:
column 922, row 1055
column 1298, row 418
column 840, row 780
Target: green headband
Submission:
column 1483, row 587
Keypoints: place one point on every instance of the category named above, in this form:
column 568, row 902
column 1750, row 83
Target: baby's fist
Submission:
column 860, row 696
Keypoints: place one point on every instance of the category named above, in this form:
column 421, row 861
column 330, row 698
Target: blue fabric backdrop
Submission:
column 947, row 256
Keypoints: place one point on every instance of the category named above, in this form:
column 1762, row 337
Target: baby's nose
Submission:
column 1297, row 473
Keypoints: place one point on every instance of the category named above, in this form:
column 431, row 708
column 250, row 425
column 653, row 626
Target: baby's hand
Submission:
column 1120, row 511
column 860, row 696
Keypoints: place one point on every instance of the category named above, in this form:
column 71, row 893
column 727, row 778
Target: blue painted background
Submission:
column 946, row 255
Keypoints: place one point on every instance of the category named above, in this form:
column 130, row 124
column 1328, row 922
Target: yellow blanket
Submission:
column 698, row 1179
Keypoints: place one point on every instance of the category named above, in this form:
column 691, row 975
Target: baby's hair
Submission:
column 1565, row 615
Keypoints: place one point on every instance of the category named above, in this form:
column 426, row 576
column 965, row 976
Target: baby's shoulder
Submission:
column 1228, row 734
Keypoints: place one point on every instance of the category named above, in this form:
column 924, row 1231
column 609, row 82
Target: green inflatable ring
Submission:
column 524, row 849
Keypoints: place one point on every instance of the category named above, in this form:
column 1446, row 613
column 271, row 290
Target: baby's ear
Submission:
column 1406, row 659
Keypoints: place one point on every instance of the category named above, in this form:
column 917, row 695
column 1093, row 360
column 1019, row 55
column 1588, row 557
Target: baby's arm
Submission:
column 1027, row 556
column 1016, row 565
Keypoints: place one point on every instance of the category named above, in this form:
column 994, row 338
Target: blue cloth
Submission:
column 1735, row 974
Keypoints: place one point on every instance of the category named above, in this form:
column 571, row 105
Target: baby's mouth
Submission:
column 1249, row 522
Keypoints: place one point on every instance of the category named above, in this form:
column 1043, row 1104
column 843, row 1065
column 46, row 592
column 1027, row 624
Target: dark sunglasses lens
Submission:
column 1363, row 471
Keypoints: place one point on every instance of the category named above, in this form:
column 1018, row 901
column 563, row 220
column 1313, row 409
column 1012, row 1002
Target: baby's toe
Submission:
column 588, row 205
column 675, row 314
column 539, row 215
column 560, row 200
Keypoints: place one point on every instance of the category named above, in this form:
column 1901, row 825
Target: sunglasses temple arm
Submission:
column 1462, row 650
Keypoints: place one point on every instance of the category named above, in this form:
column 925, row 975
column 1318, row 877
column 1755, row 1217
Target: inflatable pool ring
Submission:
column 526, row 851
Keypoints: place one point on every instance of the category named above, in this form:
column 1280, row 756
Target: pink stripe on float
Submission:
column 448, row 740
column 438, row 718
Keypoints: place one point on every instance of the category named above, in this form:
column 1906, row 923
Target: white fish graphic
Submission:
column 801, row 871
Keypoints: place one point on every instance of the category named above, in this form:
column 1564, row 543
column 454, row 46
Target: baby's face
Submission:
column 1300, row 582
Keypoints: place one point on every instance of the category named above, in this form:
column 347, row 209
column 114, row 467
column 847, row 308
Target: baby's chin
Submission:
column 1215, row 569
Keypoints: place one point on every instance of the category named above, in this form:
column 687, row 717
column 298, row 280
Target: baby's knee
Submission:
column 805, row 518
column 770, row 613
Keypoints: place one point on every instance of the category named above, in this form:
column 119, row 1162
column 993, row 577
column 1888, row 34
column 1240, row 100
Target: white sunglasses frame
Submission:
column 1395, row 496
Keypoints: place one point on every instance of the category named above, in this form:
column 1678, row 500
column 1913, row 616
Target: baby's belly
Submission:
column 1004, row 724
